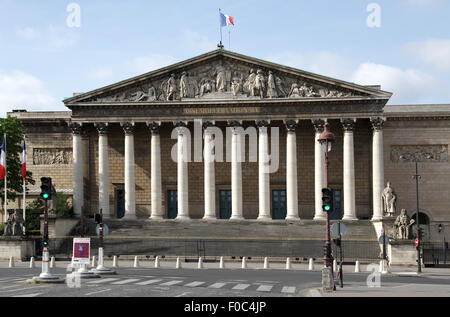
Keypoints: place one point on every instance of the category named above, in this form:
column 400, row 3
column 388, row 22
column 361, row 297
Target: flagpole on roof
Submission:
column 24, row 186
column 220, row 45
column 6, row 174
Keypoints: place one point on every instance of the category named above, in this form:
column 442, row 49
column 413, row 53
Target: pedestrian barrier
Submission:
column 221, row 264
column 52, row 262
column 157, row 262
column 200, row 263
column 115, row 261
column 178, row 266
column 244, row 263
column 93, row 261
column 357, row 267
column 11, row 262
column 311, row 264
column 266, row 263
column 136, row 262
column 288, row 263
column 32, row 262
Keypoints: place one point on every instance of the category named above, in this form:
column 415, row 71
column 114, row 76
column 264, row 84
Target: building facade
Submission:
column 227, row 136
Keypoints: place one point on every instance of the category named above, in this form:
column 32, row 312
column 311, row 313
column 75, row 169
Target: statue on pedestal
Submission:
column 389, row 201
column 402, row 224
column 14, row 225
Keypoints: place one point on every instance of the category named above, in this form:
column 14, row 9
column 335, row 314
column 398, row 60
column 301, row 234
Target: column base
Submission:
column 156, row 217
column 320, row 218
column 129, row 217
column 209, row 218
column 264, row 218
column 349, row 218
column 237, row 218
column 293, row 218
column 182, row 218
column 376, row 219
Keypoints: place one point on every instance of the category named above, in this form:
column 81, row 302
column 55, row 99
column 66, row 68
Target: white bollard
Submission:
column 200, row 263
column 357, row 267
column 136, row 262
column 157, row 262
column 311, row 264
column 221, row 264
column 52, row 262
column 334, row 266
column 32, row 262
column 72, row 264
column 115, row 261
column 381, row 266
column 266, row 263
column 244, row 263
column 178, row 266
column 288, row 263
column 93, row 261
column 11, row 262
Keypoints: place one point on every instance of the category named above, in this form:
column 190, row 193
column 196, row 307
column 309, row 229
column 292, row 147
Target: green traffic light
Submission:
column 45, row 196
column 327, row 207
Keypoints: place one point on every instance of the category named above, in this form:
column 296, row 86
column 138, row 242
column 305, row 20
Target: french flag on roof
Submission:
column 226, row 20
column 3, row 160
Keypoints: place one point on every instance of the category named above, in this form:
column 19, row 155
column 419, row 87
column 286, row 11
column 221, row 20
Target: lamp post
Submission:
column 327, row 138
column 416, row 177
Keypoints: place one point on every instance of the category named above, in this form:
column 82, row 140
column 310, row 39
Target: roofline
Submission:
column 244, row 58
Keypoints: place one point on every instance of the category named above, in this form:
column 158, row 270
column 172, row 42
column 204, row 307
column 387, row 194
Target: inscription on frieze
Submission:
column 222, row 110
column 436, row 153
column 52, row 156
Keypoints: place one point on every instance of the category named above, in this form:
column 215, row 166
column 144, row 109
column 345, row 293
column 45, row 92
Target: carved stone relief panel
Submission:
column 222, row 79
column 437, row 153
column 46, row 156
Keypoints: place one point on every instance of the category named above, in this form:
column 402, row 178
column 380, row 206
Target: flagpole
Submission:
column 229, row 39
column 24, row 159
column 24, row 190
column 220, row 26
column 6, row 176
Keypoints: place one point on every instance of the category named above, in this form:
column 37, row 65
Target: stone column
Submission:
column 291, row 171
column 377, row 167
column 103, row 169
column 349, row 170
column 130, row 185
column 319, row 170
column 182, row 175
column 263, row 171
column 77, row 164
column 155, row 173
column 209, row 180
column 236, row 170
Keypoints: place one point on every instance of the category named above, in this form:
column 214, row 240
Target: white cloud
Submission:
column 28, row 33
column 432, row 52
column 61, row 37
column 19, row 90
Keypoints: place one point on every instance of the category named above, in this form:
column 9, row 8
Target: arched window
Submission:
column 424, row 223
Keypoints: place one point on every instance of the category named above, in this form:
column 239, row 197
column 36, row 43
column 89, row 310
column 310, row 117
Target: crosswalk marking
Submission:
column 241, row 286
column 264, row 288
column 194, row 284
column 148, row 282
column 288, row 289
column 171, row 283
column 28, row 295
column 129, row 280
column 106, row 280
column 217, row 285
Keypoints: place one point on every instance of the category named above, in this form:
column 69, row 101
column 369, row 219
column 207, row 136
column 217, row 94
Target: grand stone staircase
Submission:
column 249, row 238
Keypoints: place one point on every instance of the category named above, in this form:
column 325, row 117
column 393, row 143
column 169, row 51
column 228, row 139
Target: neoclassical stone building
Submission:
column 141, row 148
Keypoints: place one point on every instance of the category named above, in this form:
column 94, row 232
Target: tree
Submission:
column 14, row 142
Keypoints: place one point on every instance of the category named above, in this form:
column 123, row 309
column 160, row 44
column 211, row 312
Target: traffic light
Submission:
column 98, row 218
column 327, row 199
column 46, row 188
column 337, row 242
column 45, row 241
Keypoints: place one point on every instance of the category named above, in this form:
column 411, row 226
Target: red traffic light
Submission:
column 416, row 242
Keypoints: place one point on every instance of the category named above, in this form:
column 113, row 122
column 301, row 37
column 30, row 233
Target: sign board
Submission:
column 335, row 229
column 81, row 250
column 386, row 240
column 105, row 230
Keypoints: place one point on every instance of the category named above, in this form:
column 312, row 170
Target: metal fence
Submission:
column 436, row 254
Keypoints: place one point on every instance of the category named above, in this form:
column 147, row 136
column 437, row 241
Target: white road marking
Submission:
column 217, row 285
column 21, row 289
column 264, row 288
column 241, row 286
column 288, row 289
column 182, row 294
column 28, row 295
column 170, row 283
column 148, row 282
column 101, row 291
column 194, row 284
column 130, row 280
column 106, row 280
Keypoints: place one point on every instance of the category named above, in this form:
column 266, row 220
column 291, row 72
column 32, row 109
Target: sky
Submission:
column 50, row 49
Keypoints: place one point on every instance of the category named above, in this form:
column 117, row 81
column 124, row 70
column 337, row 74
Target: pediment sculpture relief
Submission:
column 223, row 80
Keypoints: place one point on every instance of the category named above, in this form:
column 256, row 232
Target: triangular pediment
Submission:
column 224, row 75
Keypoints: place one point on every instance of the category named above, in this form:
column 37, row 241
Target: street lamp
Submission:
column 327, row 138
column 416, row 177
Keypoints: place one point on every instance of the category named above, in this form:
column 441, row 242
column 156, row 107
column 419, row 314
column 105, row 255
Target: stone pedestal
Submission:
column 402, row 252
column 19, row 248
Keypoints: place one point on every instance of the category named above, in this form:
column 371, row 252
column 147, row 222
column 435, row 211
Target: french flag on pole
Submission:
column 3, row 160
column 226, row 20
column 24, row 162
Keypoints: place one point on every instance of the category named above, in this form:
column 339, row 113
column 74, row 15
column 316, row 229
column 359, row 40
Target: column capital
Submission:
column 207, row 124
column 318, row 124
column 291, row 125
column 348, row 124
column 262, row 123
column 77, row 128
column 102, row 128
column 234, row 123
column 128, row 127
column 377, row 123
column 154, row 126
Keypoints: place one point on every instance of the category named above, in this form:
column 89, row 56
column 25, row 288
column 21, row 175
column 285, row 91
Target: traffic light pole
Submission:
column 328, row 259
column 417, row 176
column 101, row 269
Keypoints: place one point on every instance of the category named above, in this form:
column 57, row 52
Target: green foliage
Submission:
column 14, row 142
column 32, row 222
column 63, row 208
